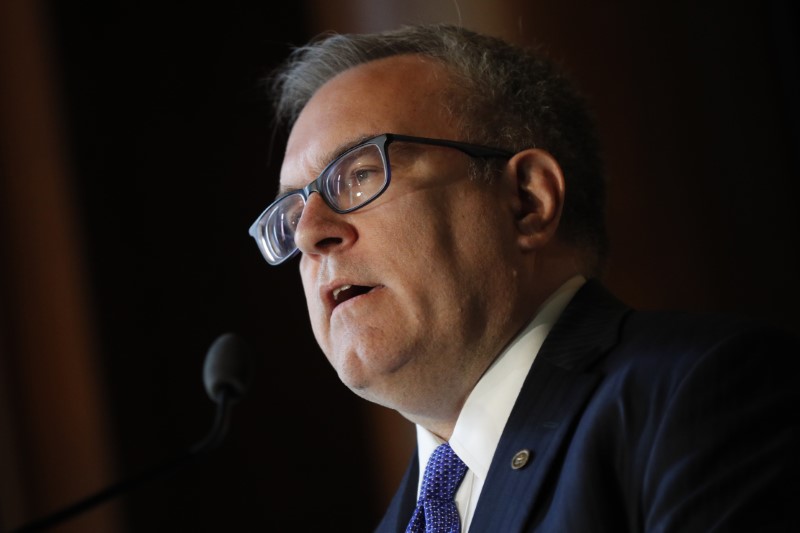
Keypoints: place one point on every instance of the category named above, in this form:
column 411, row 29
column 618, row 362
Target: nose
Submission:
column 321, row 230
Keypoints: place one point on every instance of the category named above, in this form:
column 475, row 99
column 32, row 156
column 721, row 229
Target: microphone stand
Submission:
column 225, row 399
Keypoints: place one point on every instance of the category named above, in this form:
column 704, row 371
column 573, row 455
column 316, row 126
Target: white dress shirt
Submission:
column 484, row 415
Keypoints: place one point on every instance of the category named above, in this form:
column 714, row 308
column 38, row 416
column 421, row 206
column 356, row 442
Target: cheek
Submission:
column 461, row 233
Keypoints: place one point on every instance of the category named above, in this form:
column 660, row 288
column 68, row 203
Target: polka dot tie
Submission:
column 436, row 510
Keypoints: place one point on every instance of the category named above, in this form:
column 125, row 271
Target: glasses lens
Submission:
column 280, row 226
column 355, row 178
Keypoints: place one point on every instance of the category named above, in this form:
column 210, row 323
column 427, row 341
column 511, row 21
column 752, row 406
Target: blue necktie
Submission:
column 436, row 510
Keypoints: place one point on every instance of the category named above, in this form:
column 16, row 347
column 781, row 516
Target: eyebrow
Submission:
column 330, row 156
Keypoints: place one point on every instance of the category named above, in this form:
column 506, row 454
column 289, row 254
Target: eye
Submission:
column 286, row 217
column 362, row 176
column 356, row 178
column 293, row 218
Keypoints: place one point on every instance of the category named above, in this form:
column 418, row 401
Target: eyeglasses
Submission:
column 352, row 180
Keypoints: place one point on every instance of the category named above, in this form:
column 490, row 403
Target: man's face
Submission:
column 431, row 262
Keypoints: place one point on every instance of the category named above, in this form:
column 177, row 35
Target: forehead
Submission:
column 403, row 94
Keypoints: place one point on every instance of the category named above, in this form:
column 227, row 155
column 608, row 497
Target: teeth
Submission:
column 340, row 289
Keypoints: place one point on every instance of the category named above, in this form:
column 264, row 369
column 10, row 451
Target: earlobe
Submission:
column 539, row 198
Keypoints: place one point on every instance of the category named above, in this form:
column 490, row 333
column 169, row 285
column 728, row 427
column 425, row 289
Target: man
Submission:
column 445, row 197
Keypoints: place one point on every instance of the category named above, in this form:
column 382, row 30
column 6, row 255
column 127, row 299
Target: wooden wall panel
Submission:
column 57, row 448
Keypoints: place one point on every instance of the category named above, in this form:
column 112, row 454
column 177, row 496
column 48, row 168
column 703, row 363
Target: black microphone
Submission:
column 227, row 373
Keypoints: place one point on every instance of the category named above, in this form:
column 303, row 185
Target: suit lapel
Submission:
column 551, row 400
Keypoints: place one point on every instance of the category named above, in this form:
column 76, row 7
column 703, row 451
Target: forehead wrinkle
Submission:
column 318, row 163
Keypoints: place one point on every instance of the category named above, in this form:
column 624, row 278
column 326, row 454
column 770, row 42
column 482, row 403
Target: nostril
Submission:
column 328, row 242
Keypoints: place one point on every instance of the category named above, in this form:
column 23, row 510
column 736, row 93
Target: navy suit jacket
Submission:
column 644, row 422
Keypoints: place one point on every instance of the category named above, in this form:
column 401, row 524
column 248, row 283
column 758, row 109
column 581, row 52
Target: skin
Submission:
column 457, row 267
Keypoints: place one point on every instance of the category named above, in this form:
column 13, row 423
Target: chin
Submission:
column 352, row 373
column 369, row 394
column 359, row 380
column 364, row 373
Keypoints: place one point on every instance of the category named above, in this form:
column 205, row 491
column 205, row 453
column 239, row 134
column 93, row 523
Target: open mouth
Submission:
column 347, row 292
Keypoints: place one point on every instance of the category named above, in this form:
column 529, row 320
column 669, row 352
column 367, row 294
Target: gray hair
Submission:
column 508, row 96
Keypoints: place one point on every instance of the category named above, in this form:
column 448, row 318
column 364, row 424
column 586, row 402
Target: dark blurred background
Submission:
column 136, row 149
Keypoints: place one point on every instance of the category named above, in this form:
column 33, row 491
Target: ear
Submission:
column 539, row 198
